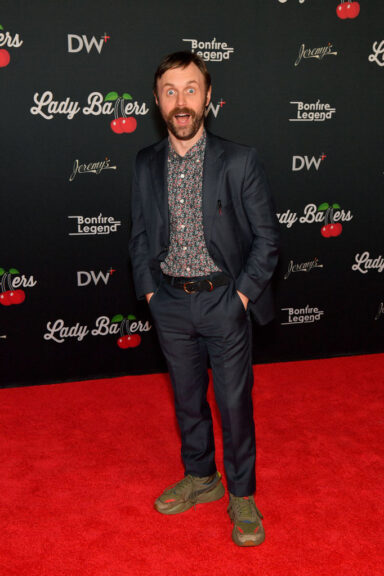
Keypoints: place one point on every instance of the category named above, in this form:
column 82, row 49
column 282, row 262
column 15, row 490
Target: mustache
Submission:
column 176, row 111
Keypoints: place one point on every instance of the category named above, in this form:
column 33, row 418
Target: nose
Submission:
column 180, row 99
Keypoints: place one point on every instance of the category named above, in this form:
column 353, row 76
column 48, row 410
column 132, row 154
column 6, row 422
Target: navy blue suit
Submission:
column 240, row 230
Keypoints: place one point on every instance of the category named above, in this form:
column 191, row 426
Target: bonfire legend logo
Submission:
column 94, row 225
column 364, row 263
column 212, row 51
column 6, row 39
column 307, row 315
column 380, row 311
column 303, row 267
column 377, row 54
column 128, row 329
column 312, row 112
column 316, row 53
column 90, row 168
column 12, row 283
column 77, row 43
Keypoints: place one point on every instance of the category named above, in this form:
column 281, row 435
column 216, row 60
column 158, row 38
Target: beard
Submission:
column 185, row 132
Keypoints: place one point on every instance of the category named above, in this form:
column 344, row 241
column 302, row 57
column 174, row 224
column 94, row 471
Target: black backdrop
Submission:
column 289, row 77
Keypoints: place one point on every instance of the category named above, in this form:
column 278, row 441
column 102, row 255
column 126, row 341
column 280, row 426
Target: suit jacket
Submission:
column 240, row 226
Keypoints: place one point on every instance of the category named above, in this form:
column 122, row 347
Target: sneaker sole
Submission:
column 211, row 496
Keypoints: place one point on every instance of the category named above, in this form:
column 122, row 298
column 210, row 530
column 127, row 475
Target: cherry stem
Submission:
column 3, row 282
column 122, row 108
column 127, row 325
column 116, row 107
column 326, row 216
column 331, row 216
column 122, row 329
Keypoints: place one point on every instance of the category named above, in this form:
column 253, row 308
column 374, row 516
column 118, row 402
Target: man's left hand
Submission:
column 244, row 299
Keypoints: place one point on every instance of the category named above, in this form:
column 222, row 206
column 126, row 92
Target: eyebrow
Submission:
column 189, row 82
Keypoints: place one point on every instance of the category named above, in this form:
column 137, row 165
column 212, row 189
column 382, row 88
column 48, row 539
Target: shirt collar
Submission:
column 194, row 153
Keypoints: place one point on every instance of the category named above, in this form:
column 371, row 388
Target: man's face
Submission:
column 182, row 98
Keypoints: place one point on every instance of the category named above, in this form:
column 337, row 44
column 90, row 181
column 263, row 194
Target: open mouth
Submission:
column 182, row 118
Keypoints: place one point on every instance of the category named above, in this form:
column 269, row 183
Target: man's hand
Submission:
column 244, row 299
column 149, row 296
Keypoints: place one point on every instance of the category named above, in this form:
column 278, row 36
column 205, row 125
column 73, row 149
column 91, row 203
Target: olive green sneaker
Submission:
column 189, row 491
column 247, row 527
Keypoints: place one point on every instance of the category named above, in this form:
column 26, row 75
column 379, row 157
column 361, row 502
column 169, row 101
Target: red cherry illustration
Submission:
column 5, row 58
column 325, row 231
column 129, row 124
column 134, row 340
column 17, row 296
column 4, row 298
column 116, row 126
column 341, row 11
column 123, row 342
column 353, row 9
column 337, row 229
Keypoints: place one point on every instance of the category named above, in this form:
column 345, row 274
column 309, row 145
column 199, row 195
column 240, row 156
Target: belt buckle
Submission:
column 186, row 289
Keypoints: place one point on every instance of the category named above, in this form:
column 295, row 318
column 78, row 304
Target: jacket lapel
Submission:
column 159, row 179
column 212, row 183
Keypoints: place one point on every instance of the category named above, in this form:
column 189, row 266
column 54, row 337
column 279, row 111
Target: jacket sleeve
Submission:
column 139, row 244
column 263, row 254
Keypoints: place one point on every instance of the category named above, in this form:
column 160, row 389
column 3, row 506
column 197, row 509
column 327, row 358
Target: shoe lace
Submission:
column 245, row 509
column 179, row 486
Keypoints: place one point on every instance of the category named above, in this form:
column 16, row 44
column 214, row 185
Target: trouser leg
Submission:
column 186, row 357
column 227, row 333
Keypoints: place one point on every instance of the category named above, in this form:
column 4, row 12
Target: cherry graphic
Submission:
column 4, row 298
column 121, row 124
column 5, row 58
column 17, row 296
column 330, row 229
column 348, row 10
column 341, row 11
column 128, row 124
column 116, row 126
column 11, row 296
column 353, row 9
column 126, row 340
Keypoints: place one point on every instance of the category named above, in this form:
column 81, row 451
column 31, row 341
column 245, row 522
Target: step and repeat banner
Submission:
column 301, row 80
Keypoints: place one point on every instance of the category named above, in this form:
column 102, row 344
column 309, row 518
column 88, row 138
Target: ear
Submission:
column 208, row 97
column 156, row 99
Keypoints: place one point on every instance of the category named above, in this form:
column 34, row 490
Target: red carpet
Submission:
column 81, row 464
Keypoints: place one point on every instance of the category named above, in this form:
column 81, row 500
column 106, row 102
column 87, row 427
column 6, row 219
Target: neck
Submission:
column 182, row 146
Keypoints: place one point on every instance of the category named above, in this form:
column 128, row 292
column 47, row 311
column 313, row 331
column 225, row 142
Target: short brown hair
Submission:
column 181, row 60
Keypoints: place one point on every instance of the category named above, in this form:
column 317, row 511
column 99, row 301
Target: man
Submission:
column 203, row 249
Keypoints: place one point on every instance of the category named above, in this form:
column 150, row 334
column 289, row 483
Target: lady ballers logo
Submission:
column 6, row 39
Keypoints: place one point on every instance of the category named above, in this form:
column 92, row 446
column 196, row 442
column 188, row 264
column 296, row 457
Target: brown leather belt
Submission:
column 192, row 285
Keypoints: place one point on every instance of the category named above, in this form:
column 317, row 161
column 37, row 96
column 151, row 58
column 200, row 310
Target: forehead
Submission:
column 182, row 76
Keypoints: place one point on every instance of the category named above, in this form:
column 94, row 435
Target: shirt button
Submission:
column 182, row 200
column 182, row 226
column 181, row 175
column 188, row 269
column 184, row 247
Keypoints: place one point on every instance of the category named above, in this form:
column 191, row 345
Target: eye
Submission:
column 170, row 92
column 191, row 90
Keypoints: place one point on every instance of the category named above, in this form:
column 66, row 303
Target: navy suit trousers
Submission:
column 192, row 327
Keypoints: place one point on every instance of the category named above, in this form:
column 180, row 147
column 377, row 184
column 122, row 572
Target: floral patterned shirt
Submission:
column 187, row 255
